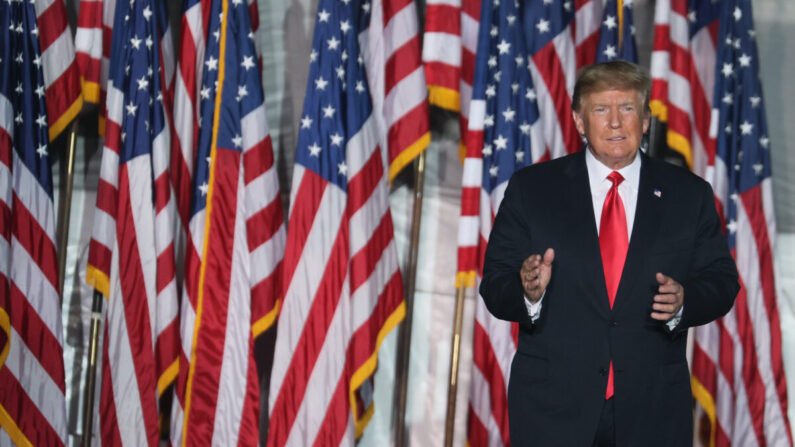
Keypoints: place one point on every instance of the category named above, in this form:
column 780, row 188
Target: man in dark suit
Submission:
column 605, row 258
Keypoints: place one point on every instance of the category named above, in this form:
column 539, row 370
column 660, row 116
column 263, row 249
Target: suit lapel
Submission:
column 644, row 231
column 583, row 232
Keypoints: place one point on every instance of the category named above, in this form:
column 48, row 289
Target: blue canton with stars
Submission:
column 702, row 13
column 503, row 79
column 611, row 47
column 337, row 101
column 544, row 20
column 241, row 91
column 135, row 71
column 743, row 143
column 22, row 83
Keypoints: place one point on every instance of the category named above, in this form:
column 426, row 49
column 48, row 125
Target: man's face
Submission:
column 613, row 122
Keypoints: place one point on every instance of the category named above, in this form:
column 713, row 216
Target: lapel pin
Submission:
column 657, row 193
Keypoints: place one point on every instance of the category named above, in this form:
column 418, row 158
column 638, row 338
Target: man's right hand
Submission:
column 535, row 274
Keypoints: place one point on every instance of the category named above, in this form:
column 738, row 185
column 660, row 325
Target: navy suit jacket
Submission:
column 559, row 374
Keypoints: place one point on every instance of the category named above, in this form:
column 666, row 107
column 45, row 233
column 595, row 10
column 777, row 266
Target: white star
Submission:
column 745, row 60
column 19, row 88
column 333, row 43
column 306, row 122
column 543, row 26
column 530, row 94
column 525, row 128
column 41, row 120
column 691, row 15
column 727, row 70
column 764, row 141
column 511, row 19
column 494, row 170
column 486, row 150
column 504, row 46
column 490, row 90
column 734, row 196
column 519, row 156
column 19, row 119
column 360, row 86
column 548, row 2
column 19, row 29
column 40, row 91
column 204, row 188
column 37, row 61
column 143, row 83
column 323, row 15
column 515, row 88
column 124, row 134
column 497, row 76
column 746, row 128
column 328, row 111
column 320, row 83
column 35, row 30
column 205, row 93
column 755, row 101
column 492, row 61
column 501, row 142
column 345, row 26
column 314, row 150
column 488, row 121
column 508, row 114
column 732, row 226
column 344, row 55
column 336, row 139
column 313, row 56
column 149, row 42
column 19, row 58
column 248, row 62
column 494, row 31
column 567, row 6
column 340, row 72
column 217, row 35
column 237, row 141
column 752, row 33
column 728, row 129
column 738, row 14
column 242, row 92
column 758, row 168
column 211, row 63
column 519, row 60
column 135, row 42
column 610, row 22
column 610, row 52
column 237, row 2
column 42, row 150
column 342, row 168
column 728, row 99
column 147, row 13
column 131, row 108
column 366, row 7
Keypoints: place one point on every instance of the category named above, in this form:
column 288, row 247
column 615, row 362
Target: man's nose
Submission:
column 614, row 118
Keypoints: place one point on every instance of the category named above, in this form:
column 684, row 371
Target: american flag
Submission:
column 235, row 234
column 131, row 253
column 448, row 52
column 390, row 46
column 562, row 38
column 504, row 135
column 343, row 286
column 93, row 38
column 32, row 383
column 683, row 76
column 738, row 374
column 617, row 34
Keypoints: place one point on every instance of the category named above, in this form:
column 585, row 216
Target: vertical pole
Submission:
column 404, row 332
column 65, row 208
column 91, row 372
column 452, row 385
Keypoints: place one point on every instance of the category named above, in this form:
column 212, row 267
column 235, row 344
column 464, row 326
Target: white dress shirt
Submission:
column 600, row 186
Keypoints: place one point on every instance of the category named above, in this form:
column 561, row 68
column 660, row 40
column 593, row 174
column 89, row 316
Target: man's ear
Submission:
column 579, row 124
column 646, row 121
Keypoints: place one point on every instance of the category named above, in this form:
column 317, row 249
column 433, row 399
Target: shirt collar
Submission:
column 598, row 172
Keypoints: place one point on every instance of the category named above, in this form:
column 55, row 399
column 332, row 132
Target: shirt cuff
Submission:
column 674, row 321
column 534, row 309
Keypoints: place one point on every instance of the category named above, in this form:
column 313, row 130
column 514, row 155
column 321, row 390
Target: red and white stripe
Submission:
column 32, row 385
column 61, row 77
column 92, row 44
column 343, row 295
column 683, row 79
column 448, row 52
column 391, row 50
column 560, row 59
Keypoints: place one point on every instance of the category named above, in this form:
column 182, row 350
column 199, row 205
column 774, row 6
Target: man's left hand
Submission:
column 669, row 298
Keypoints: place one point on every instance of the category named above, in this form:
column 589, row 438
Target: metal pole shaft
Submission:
column 91, row 372
column 404, row 332
column 455, row 358
column 65, row 208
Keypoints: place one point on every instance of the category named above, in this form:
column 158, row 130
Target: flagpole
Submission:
column 91, row 372
column 455, row 358
column 404, row 332
column 65, row 208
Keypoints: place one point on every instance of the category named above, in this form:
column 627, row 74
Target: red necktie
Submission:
column 613, row 242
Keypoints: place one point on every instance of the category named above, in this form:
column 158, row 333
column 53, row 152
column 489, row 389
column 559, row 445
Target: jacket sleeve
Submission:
column 509, row 245
column 711, row 286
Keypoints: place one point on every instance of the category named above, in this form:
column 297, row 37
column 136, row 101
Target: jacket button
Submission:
column 603, row 371
column 614, row 323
